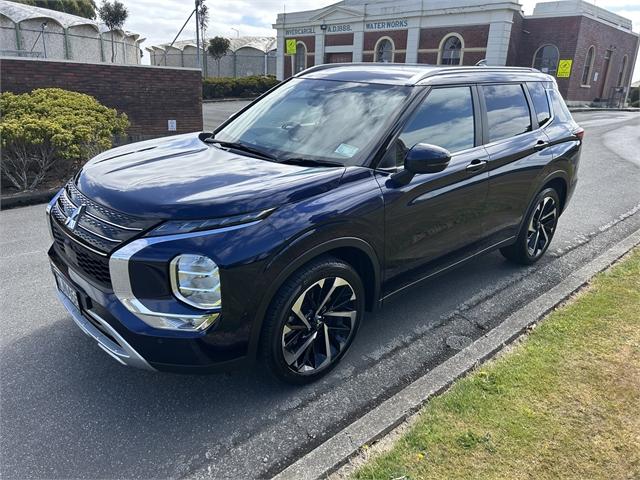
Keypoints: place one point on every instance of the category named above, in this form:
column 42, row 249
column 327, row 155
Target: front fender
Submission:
column 300, row 252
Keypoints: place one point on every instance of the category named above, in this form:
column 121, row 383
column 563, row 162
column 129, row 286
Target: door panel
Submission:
column 435, row 214
column 518, row 153
column 514, row 167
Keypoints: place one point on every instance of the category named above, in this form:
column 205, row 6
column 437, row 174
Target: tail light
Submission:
column 579, row 132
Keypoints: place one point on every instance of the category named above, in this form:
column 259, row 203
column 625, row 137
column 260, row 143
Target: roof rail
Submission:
column 430, row 70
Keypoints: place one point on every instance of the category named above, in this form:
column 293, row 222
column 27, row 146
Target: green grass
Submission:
column 563, row 404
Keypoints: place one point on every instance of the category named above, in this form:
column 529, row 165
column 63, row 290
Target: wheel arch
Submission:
column 560, row 185
column 353, row 250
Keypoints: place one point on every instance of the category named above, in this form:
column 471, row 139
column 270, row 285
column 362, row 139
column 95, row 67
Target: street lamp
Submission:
column 237, row 31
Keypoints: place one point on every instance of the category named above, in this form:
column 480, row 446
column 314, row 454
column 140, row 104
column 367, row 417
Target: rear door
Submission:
column 435, row 214
column 518, row 152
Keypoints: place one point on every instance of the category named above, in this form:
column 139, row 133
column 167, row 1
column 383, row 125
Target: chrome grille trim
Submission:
column 97, row 228
column 74, row 239
column 99, row 219
column 113, row 240
column 102, row 213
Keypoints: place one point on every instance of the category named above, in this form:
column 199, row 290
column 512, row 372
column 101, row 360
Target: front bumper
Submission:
column 131, row 342
column 105, row 335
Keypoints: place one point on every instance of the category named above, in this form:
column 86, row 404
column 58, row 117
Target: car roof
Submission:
column 420, row 74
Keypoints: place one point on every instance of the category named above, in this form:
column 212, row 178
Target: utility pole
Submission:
column 198, row 33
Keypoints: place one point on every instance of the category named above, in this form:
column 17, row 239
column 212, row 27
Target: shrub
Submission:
column 237, row 87
column 52, row 127
column 634, row 97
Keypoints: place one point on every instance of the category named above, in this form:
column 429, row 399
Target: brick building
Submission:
column 600, row 45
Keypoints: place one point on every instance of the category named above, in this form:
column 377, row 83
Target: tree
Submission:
column 82, row 8
column 203, row 17
column 218, row 47
column 113, row 14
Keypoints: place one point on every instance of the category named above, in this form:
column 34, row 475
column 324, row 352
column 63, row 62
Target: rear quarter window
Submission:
column 540, row 102
column 560, row 110
column 507, row 111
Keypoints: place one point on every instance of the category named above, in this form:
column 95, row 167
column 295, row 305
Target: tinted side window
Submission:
column 507, row 111
column 445, row 118
column 540, row 102
column 560, row 109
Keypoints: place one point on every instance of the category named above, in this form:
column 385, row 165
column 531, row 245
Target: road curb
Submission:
column 229, row 99
column 27, row 198
column 336, row 451
column 603, row 109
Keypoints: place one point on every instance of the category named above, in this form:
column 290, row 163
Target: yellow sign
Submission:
column 291, row 46
column 564, row 68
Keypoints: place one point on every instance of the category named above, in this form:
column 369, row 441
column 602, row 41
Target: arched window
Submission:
column 301, row 57
column 623, row 72
column 451, row 50
column 588, row 66
column 384, row 50
column 546, row 59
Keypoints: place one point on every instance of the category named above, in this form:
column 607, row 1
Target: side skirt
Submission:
column 445, row 268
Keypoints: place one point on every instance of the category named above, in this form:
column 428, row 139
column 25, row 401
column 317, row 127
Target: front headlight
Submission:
column 195, row 280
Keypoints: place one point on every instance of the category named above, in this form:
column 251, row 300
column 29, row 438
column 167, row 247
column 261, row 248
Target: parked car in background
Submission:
column 270, row 237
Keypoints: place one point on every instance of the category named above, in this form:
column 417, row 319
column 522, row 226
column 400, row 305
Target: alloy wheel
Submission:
column 319, row 326
column 542, row 226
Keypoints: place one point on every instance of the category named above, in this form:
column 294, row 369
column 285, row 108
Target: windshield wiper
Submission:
column 241, row 146
column 311, row 162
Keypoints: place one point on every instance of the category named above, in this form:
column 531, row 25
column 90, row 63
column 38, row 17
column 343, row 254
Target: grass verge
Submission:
column 564, row 403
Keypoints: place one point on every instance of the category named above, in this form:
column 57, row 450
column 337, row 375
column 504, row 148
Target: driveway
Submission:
column 70, row 411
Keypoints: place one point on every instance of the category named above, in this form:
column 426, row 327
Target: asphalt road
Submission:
column 69, row 411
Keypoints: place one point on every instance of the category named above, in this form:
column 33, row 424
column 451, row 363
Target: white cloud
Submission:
column 160, row 21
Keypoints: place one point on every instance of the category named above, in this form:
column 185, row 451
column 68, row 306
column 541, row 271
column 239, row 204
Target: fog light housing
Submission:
column 195, row 280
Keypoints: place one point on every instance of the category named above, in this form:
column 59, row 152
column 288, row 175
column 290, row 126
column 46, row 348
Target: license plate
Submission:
column 67, row 290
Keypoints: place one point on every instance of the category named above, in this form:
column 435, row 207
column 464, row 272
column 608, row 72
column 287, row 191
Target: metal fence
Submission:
column 231, row 65
column 82, row 43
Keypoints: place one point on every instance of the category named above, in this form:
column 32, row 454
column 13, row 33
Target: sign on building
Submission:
column 291, row 46
column 391, row 24
column 564, row 68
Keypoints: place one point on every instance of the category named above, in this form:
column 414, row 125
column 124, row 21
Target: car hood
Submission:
column 182, row 177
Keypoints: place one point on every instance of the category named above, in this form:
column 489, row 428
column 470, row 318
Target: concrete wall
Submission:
column 85, row 43
column 148, row 95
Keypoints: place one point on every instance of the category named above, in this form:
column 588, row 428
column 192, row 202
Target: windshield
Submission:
column 317, row 120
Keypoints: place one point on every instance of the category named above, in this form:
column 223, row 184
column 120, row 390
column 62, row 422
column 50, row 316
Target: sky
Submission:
column 160, row 21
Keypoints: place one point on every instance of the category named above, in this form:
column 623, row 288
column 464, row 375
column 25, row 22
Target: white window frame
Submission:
column 393, row 49
column 441, row 46
column 295, row 57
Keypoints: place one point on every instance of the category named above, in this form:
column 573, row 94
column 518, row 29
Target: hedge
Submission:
column 52, row 130
column 222, row 87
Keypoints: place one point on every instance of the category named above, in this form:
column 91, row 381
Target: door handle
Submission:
column 540, row 145
column 476, row 165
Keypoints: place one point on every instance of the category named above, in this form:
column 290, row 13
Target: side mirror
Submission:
column 426, row 158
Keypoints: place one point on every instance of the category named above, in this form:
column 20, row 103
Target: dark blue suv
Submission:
column 270, row 237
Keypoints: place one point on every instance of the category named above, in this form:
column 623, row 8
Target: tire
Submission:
column 293, row 344
column 537, row 230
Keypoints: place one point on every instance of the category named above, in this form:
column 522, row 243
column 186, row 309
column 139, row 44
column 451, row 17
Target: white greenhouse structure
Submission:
column 246, row 56
column 28, row 31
